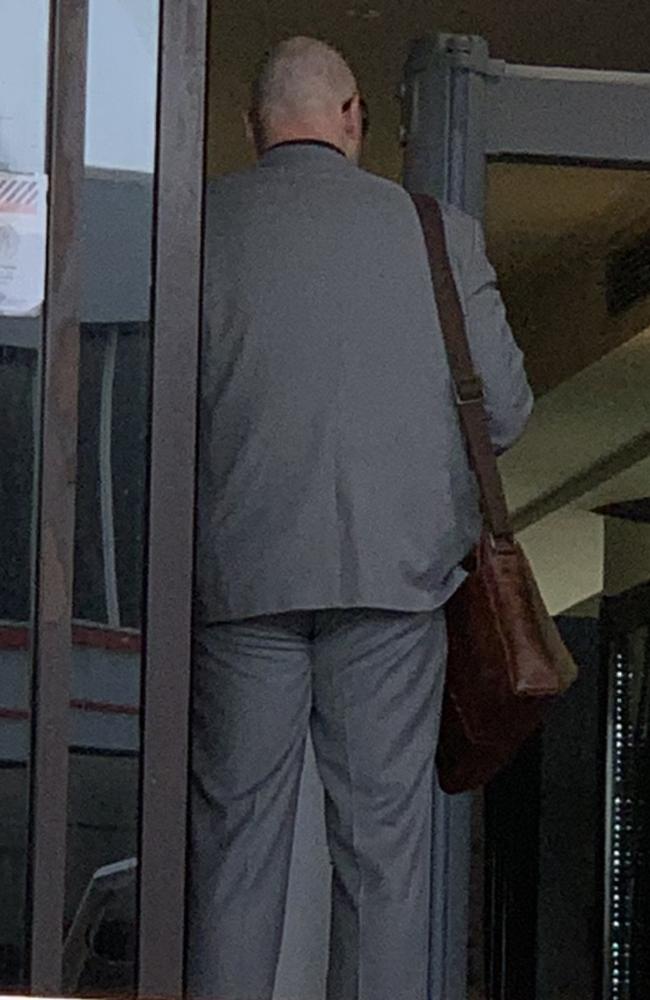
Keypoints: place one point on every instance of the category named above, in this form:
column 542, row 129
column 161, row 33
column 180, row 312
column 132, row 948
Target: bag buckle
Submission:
column 469, row 390
column 502, row 543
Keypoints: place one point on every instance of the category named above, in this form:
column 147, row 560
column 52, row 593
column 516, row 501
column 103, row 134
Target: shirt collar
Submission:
column 306, row 142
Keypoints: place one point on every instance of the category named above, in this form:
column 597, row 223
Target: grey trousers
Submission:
column 369, row 683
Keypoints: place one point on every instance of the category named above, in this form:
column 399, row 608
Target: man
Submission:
column 335, row 506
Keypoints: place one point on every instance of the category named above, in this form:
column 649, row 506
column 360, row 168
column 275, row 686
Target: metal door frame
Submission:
column 461, row 110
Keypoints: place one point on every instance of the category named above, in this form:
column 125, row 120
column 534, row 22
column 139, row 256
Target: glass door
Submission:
column 557, row 164
column 102, row 107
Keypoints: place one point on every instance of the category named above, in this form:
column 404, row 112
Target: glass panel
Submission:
column 23, row 94
column 113, row 406
column 570, row 244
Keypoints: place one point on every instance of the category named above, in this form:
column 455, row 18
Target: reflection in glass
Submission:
column 19, row 395
column 23, row 88
column 100, row 918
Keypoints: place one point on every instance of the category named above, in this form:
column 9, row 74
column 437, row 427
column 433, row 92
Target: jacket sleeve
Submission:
column 497, row 358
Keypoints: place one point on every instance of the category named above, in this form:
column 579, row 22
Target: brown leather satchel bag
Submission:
column 507, row 662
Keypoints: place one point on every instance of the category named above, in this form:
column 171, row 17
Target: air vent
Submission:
column 628, row 276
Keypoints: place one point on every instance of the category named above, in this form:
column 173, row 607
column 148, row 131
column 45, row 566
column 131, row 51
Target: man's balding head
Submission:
column 306, row 90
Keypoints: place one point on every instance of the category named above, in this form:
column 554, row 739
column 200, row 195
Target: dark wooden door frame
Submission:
column 56, row 479
column 176, row 310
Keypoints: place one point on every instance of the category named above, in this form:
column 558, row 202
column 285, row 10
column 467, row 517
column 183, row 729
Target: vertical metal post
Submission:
column 444, row 108
column 56, row 496
column 168, row 603
column 445, row 119
column 426, row 118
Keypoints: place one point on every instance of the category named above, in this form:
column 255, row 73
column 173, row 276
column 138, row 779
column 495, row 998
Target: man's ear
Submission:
column 351, row 115
column 349, row 126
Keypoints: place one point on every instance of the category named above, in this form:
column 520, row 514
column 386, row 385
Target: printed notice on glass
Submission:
column 23, row 227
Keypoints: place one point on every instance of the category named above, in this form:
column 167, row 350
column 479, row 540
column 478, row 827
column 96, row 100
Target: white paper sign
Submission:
column 23, row 228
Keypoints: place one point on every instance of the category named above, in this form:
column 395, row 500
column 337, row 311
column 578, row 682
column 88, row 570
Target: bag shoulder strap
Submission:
column 468, row 386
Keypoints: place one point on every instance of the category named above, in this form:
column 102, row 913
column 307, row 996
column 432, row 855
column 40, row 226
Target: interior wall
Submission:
column 558, row 311
column 567, row 554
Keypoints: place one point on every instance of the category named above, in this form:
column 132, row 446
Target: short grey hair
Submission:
column 300, row 78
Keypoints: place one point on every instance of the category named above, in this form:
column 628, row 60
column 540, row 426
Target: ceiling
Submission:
column 375, row 37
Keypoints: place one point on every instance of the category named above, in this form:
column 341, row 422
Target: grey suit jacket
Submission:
column 332, row 469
